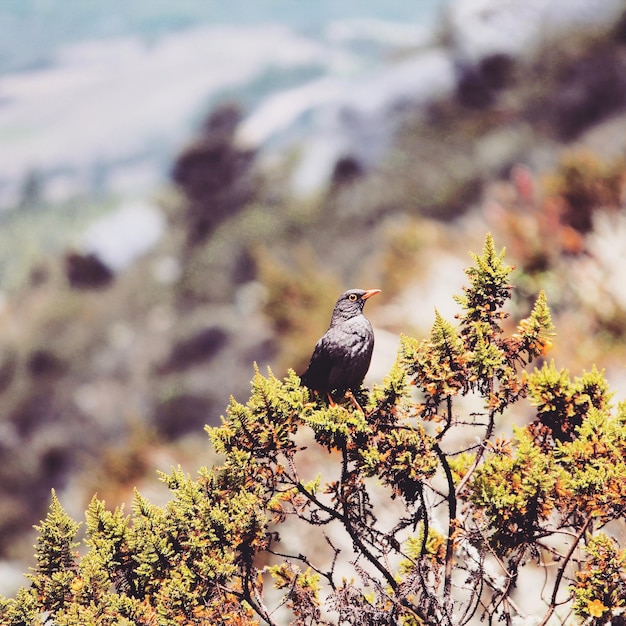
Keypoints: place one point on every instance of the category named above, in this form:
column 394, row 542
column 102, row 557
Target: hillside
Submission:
column 106, row 377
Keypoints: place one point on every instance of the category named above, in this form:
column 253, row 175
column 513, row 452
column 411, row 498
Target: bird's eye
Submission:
column 353, row 297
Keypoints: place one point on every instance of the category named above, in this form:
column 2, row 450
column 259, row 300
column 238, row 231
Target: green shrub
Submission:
column 402, row 523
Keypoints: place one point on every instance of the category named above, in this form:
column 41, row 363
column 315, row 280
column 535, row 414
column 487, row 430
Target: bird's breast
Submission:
column 342, row 356
column 352, row 343
column 357, row 331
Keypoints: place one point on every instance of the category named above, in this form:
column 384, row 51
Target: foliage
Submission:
column 548, row 220
column 404, row 522
column 584, row 183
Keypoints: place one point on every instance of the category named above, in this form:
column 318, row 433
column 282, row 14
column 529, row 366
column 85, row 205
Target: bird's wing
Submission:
column 341, row 357
column 316, row 375
column 350, row 350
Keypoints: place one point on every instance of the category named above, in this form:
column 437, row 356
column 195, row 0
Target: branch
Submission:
column 445, row 429
column 342, row 517
column 479, row 454
column 361, row 547
column 451, row 499
column 257, row 603
column 561, row 572
column 304, row 559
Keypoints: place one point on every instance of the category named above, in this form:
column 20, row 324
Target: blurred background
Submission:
column 185, row 189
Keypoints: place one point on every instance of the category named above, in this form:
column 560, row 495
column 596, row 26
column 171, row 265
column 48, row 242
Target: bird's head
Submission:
column 351, row 302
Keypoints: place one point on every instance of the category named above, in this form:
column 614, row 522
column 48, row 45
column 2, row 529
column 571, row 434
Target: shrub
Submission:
column 403, row 524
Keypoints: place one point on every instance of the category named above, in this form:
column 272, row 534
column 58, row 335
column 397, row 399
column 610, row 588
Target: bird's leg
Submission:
column 353, row 401
column 331, row 402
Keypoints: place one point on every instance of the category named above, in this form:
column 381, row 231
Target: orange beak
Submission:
column 370, row 293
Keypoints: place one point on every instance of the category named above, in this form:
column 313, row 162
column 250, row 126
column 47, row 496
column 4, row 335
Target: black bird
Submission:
column 342, row 356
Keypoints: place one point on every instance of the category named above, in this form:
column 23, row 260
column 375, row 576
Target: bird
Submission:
column 342, row 356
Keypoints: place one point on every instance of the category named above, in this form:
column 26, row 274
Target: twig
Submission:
column 561, row 572
column 343, row 518
column 445, row 429
column 479, row 454
column 301, row 557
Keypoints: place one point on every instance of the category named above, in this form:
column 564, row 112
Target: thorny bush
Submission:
column 421, row 512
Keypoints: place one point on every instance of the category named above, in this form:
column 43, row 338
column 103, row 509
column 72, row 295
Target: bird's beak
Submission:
column 370, row 293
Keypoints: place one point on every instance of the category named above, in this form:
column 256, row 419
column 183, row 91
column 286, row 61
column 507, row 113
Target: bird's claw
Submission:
column 354, row 402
